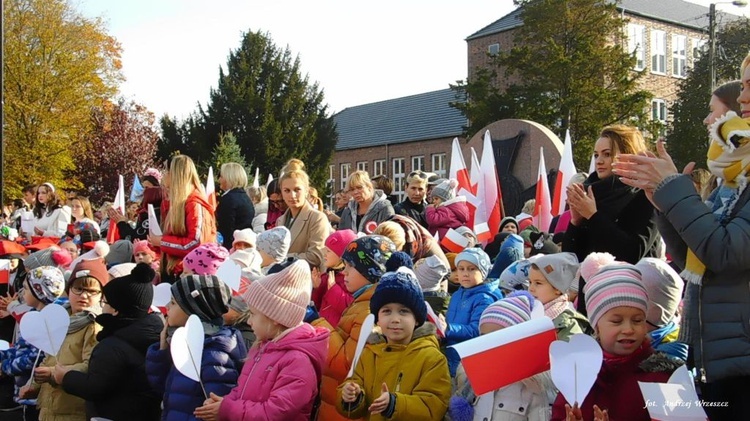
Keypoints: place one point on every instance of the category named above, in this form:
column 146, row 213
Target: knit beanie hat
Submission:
column 493, row 248
column 275, row 242
column 614, row 286
column 203, row 295
column 476, row 257
column 283, row 296
column 510, row 251
column 508, row 220
column 541, row 243
column 510, row 311
column 430, row 272
column 338, row 240
column 402, row 288
column 469, row 234
column 445, row 190
column 398, row 259
column 451, row 260
column 558, row 269
column 593, row 263
column 205, row 259
column 664, row 287
column 119, row 252
column 368, row 255
column 516, row 276
column 152, row 175
column 131, row 295
column 141, row 246
column 52, row 256
column 123, row 269
column 238, row 304
column 93, row 268
column 246, row 235
column 47, row 283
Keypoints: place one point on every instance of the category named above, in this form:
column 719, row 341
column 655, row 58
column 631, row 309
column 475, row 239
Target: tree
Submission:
column 57, row 65
column 687, row 136
column 124, row 138
column 568, row 70
column 272, row 109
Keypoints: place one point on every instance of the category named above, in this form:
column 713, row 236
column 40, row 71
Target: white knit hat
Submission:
column 246, row 236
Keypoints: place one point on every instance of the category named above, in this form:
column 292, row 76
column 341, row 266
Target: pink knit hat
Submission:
column 140, row 246
column 616, row 285
column 205, row 259
column 283, row 296
column 338, row 241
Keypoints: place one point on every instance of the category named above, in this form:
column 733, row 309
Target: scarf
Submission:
column 81, row 320
column 556, row 307
column 611, row 194
column 417, row 240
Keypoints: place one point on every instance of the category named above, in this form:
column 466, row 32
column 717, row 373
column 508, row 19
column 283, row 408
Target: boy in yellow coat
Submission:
column 401, row 375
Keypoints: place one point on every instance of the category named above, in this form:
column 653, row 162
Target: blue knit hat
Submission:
column 510, row 251
column 369, row 255
column 402, row 288
column 477, row 258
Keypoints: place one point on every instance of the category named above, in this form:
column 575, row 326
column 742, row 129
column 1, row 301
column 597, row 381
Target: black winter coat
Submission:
column 234, row 212
column 413, row 210
column 116, row 386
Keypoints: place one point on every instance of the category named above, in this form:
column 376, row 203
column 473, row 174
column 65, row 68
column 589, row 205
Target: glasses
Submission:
column 81, row 291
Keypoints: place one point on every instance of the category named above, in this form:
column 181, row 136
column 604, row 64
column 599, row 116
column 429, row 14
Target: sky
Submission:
column 359, row 52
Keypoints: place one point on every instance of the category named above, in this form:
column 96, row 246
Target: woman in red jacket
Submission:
column 188, row 218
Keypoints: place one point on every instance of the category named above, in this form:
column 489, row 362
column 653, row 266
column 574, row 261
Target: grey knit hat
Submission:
column 203, row 295
column 446, row 190
column 430, row 272
column 275, row 242
column 558, row 269
column 119, row 252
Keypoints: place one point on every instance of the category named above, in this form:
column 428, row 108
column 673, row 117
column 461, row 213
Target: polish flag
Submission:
column 454, row 242
column 482, row 231
column 460, row 173
column 492, row 197
column 475, row 175
column 592, row 165
column 435, row 319
column 543, row 209
column 113, row 234
column 210, row 189
column 526, row 344
column 564, row 175
column 4, row 271
column 474, row 201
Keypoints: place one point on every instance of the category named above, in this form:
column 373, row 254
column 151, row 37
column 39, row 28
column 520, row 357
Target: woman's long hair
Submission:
column 183, row 180
column 53, row 201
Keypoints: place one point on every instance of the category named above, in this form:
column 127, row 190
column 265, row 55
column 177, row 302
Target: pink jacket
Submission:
column 335, row 300
column 280, row 378
column 453, row 213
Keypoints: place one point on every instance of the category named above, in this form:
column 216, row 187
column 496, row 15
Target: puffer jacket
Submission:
column 197, row 212
column 341, row 346
column 379, row 211
column 280, row 379
column 464, row 311
column 453, row 213
column 18, row 361
column 336, row 299
column 416, row 375
column 223, row 354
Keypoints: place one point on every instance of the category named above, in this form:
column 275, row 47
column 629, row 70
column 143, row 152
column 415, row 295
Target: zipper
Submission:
column 398, row 381
column 700, row 326
column 252, row 369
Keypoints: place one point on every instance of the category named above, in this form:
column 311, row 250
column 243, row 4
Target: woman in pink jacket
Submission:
column 446, row 210
column 281, row 375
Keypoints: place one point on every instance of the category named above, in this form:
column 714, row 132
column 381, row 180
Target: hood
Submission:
column 196, row 196
column 310, row 340
column 142, row 333
column 261, row 207
column 379, row 199
column 424, row 336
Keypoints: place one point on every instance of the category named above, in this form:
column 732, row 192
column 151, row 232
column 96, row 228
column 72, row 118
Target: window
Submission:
column 658, row 52
column 362, row 166
column 398, row 178
column 379, row 167
column 417, row 163
column 438, row 164
column 679, row 55
column 659, row 110
column 699, row 48
column 345, row 174
column 493, row 49
column 636, row 47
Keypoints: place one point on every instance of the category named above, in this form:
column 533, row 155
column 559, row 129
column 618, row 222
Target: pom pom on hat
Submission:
column 131, row 295
column 445, row 190
column 398, row 260
column 61, row 257
column 593, row 262
column 460, row 409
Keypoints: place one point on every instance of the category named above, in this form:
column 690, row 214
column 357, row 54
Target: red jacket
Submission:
column 331, row 301
column 453, row 213
column 197, row 212
column 616, row 388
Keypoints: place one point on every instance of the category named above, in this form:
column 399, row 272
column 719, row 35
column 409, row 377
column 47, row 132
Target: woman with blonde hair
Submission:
column 235, row 211
column 188, row 217
column 367, row 208
column 260, row 203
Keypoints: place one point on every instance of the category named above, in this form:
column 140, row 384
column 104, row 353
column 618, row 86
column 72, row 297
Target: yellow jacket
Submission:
column 417, row 374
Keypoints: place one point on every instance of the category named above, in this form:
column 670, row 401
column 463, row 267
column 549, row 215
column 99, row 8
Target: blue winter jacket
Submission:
column 18, row 361
column 223, row 354
column 465, row 309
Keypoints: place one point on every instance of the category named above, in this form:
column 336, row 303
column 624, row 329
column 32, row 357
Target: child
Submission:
column 273, row 246
column 204, row 259
column 115, row 385
column 281, row 376
column 42, row 286
column 550, row 277
column 446, row 210
column 515, row 277
column 330, row 294
column 142, row 253
column 244, row 254
column 223, row 348
column 431, row 273
column 243, row 239
column 468, row 303
column 401, row 373
column 365, row 260
column 523, row 400
column 511, row 250
column 617, row 304
column 237, row 317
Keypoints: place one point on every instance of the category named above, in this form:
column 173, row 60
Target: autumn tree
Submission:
column 57, row 65
column 123, row 139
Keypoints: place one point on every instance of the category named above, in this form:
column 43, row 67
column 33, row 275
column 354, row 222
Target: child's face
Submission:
column 486, row 328
column 435, row 200
column 143, row 257
column 468, row 274
column 332, row 259
column 176, row 316
column 241, row 245
column 71, row 248
column 353, row 279
column 84, row 294
column 397, row 323
column 28, row 297
column 540, row 288
column 622, row 330
column 264, row 328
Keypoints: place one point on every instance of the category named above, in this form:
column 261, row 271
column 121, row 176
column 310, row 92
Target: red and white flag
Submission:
column 526, row 344
column 454, row 242
column 474, row 201
column 543, row 208
column 482, row 231
column 475, row 175
column 460, row 173
column 210, row 189
column 564, row 175
column 492, row 197
column 113, row 234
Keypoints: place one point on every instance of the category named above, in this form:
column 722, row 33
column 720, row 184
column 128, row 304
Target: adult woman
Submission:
column 276, row 205
column 260, row 203
column 309, row 228
column 82, row 212
column 51, row 217
column 709, row 240
column 607, row 215
column 367, row 208
column 235, row 210
column 414, row 204
column 189, row 218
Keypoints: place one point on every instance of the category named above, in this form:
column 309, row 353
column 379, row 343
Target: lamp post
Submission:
column 712, row 36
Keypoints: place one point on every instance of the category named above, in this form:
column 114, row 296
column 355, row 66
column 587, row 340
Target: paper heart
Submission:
column 162, row 295
column 46, row 329
column 364, row 333
column 187, row 348
column 674, row 400
column 538, row 311
column 230, row 273
column 4, row 345
column 575, row 366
